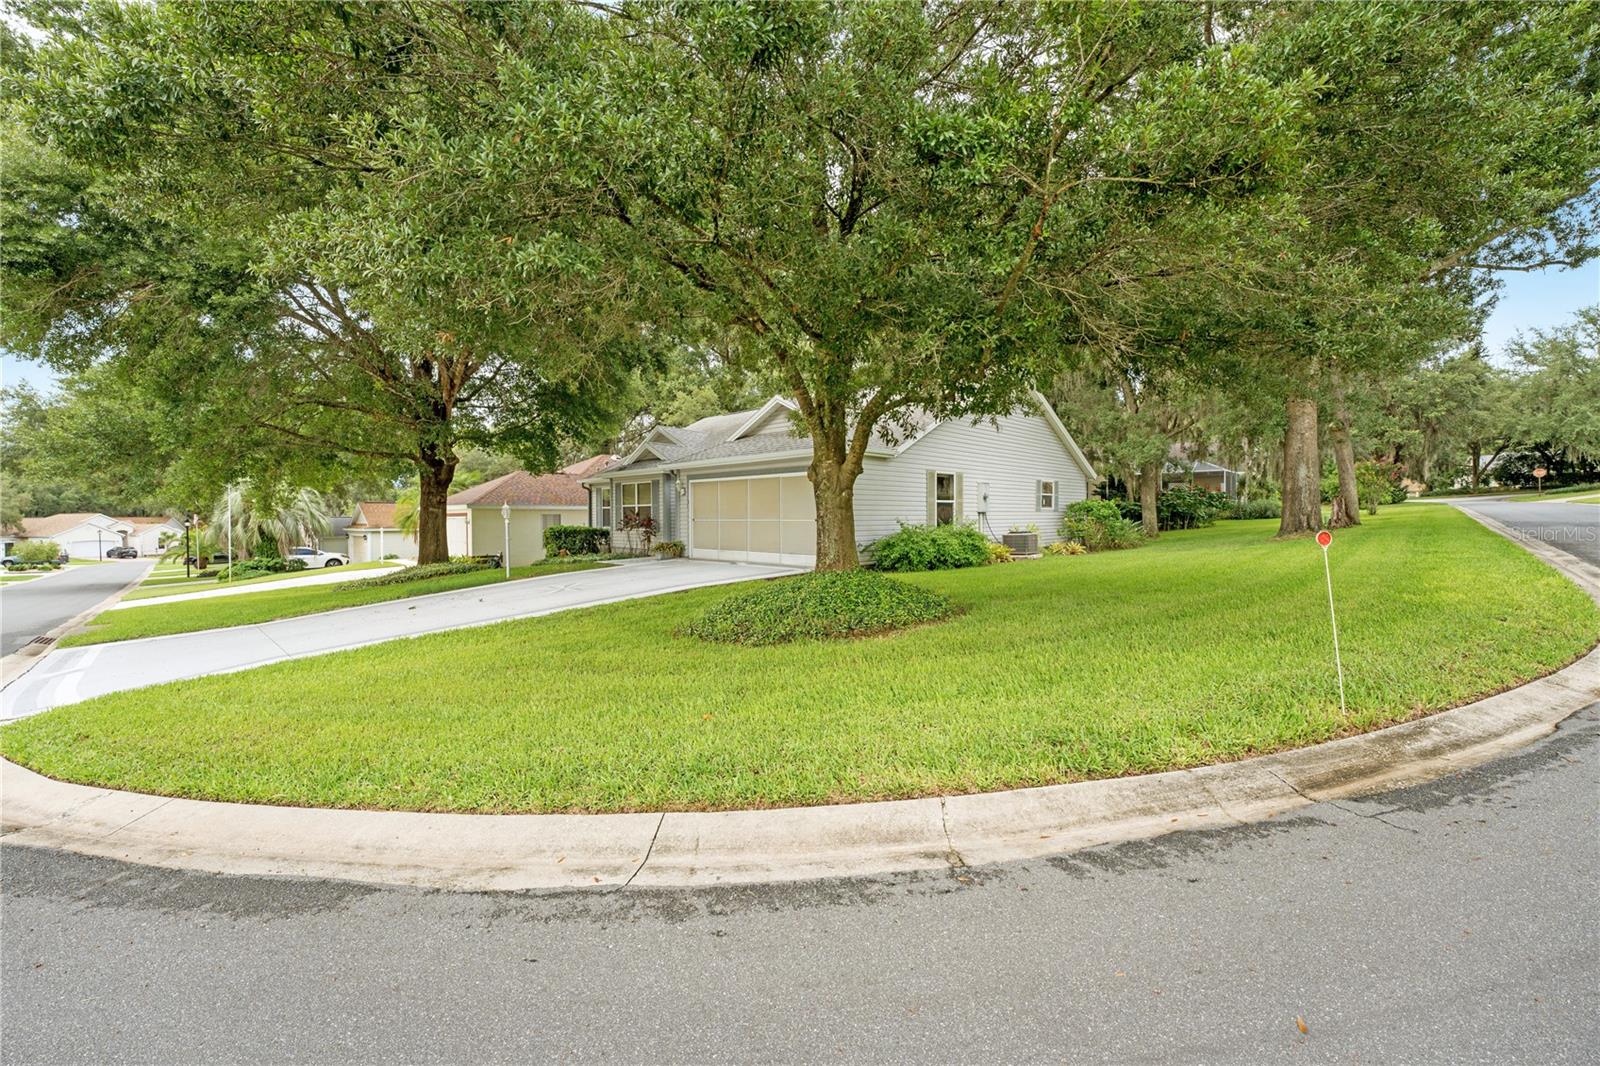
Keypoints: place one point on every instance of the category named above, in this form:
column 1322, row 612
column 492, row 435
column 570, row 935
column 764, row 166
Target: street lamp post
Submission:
column 505, row 518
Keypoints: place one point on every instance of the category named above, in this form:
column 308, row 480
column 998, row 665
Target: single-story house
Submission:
column 149, row 531
column 1205, row 476
column 337, row 539
column 371, row 534
column 734, row 486
column 475, row 526
column 81, row 534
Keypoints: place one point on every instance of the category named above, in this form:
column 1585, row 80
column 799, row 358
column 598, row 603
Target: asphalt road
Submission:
column 1572, row 527
column 1452, row 923
column 32, row 608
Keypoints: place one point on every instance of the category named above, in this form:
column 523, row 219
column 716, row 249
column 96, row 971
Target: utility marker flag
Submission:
column 1324, row 539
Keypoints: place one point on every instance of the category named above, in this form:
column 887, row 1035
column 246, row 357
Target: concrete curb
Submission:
column 503, row 852
column 18, row 663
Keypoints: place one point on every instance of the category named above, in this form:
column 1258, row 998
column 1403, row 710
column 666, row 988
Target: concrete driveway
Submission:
column 72, row 674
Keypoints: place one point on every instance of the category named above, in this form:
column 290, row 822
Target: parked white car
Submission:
column 315, row 557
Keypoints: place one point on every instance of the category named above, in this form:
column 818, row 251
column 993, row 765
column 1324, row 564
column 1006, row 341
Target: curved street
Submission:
column 1452, row 923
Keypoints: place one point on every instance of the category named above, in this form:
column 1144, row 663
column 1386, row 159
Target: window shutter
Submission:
column 933, row 514
column 1038, row 495
column 961, row 499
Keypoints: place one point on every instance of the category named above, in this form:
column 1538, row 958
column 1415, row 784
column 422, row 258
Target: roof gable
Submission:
column 522, row 489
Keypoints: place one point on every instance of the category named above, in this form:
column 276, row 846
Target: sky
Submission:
column 1536, row 300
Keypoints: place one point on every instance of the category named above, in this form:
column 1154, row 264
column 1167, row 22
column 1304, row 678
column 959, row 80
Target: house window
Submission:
column 944, row 499
column 636, row 499
column 1047, row 495
column 605, row 507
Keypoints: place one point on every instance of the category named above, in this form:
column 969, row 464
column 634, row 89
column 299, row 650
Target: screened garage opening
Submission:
column 754, row 520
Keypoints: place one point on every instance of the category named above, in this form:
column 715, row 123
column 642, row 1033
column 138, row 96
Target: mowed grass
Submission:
column 1205, row 646
column 154, row 587
column 219, row 612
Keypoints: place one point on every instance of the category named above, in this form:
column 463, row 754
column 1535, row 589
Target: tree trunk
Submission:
column 436, row 469
column 1149, row 487
column 1347, row 501
column 1302, row 471
column 1477, row 464
column 834, row 487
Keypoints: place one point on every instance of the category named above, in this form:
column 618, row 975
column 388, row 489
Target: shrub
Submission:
column 424, row 572
column 575, row 540
column 37, row 551
column 1271, row 507
column 1189, row 507
column 1099, row 525
column 849, row 603
column 1065, row 547
column 999, row 553
column 930, row 548
column 669, row 549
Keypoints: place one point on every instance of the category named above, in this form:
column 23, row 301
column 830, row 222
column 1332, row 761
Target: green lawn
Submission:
column 221, row 611
column 153, row 586
column 1206, row 646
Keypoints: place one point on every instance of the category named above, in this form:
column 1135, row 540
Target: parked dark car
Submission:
column 122, row 552
column 63, row 559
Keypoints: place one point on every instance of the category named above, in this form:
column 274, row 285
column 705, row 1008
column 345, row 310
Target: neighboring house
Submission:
column 1205, row 476
column 82, row 535
column 149, row 530
column 336, row 539
column 475, row 526
column 734, row 486
column 372, row 534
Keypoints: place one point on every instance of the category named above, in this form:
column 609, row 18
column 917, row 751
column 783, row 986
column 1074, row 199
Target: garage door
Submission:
column 754, row 520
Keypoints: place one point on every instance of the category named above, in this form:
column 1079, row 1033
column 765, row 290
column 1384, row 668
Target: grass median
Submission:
column 189, row 616
column 1205, row 646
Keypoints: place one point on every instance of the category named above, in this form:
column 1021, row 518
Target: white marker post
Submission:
column 1324, row 538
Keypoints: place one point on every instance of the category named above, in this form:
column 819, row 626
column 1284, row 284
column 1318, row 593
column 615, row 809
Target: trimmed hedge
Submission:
column 422, row 573
column 819, row 606
column 930, row 548
column 576, row 540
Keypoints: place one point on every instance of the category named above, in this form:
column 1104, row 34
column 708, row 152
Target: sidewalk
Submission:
column 68, row 675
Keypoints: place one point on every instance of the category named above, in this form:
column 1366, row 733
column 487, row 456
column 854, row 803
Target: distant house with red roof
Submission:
column 373, row 533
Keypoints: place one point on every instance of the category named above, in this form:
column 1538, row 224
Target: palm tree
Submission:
column 300, row 519
column 405, row 512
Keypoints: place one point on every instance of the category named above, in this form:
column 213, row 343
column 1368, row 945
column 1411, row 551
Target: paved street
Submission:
column 1451, row 923
column 1572, row 527
column 32, row 608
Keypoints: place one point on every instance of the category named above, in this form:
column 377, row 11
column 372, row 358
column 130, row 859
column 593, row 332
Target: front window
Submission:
column 636, row 500
column 1047, row 495
column 944, row 499
column 605, row 507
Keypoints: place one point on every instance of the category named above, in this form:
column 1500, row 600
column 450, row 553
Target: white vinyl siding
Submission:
column 1011, row 456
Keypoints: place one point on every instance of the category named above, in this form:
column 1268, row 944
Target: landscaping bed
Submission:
column 1203, row 646
column 155, row 587
column 219, row 612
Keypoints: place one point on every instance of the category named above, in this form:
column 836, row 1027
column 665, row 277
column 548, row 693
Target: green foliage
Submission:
column 669, row 549
column 1099, row 525
column 423, row 572
column 1190, row 507
column 1065, row 547
column 575, row 540
column 915, row 547
column 999, row 553
column 1267, row 507
column 267, row 564
column 850, row 603
column 37, row 551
